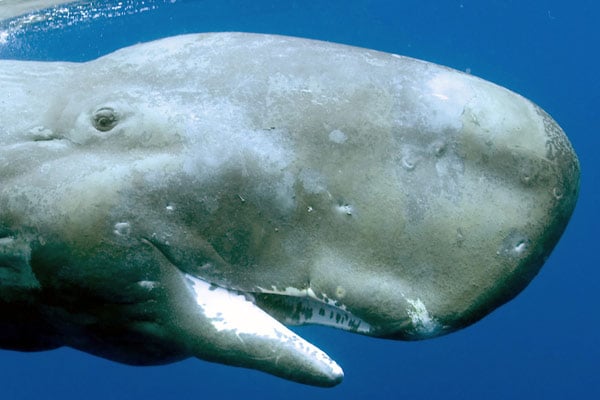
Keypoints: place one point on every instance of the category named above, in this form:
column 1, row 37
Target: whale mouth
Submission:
column 289, row 306
column 244, row 328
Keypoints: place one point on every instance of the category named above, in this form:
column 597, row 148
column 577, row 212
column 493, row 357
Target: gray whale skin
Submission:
column 193, row 195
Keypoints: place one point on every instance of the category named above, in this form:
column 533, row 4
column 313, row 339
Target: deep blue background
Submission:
column 542, row 345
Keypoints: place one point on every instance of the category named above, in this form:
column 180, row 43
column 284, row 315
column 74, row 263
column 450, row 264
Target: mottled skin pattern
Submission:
column 316, row 182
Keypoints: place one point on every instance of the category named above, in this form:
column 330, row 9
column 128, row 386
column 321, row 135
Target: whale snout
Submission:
column 449, row 222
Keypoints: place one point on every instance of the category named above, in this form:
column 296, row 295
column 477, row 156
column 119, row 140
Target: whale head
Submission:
column 193, row 195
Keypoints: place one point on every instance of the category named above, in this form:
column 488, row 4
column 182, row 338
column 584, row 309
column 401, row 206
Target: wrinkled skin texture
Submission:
column 187, row 196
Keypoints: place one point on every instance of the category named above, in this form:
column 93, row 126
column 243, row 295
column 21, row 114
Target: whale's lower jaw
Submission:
column 247, row 336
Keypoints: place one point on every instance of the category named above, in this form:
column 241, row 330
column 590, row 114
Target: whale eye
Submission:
column 104, row 119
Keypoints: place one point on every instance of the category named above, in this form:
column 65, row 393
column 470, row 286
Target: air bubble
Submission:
column 122, row 229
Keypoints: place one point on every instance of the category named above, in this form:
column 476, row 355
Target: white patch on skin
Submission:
column 289, row 291
column 122, row 229
column 230, row 311
column 449, row 95
column 345, row 209
column 311, row 293
column 149, row 284
column 228, row 144
column 294, row 292
column 421, row 320
column 338, row 136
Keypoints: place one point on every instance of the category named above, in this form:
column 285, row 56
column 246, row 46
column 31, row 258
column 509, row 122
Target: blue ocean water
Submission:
column 542, row 345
